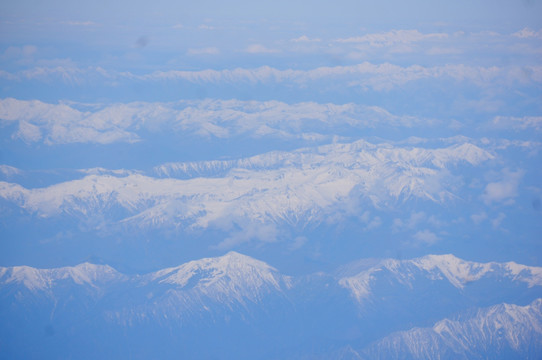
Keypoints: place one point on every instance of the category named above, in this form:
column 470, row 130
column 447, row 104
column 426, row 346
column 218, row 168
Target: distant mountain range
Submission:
column 292, row 188
column 233, row 306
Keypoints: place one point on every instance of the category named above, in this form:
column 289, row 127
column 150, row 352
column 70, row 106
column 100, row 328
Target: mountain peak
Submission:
column 459, row 272
column 41, row 279
column 360, row 278
column 235, row 255
column 439, row 258
column 235, row 274
column 233, row 258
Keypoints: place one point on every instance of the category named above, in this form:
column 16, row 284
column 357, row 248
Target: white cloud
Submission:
column 426, row 237
column 249, row 232
column 526, row 33
column 496, row 223
column 503, row 191
column 371, row 223
column 298, row 243
column 8, row 76
column 518, row 123
column 415, row 219
column 9, row 171
column 478, row 218
column 16, row 52
column 260, row 49
column 28, row 132
column 305, row 38
column 376, row 222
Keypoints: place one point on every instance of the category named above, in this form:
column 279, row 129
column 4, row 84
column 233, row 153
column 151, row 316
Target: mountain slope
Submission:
column 501, row 331
column 360, row 279
column 35, row 280
column 295, row 188
column 393, row 293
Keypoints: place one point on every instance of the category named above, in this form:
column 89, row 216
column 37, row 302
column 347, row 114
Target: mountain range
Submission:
column 436, row 306
column 262, row 198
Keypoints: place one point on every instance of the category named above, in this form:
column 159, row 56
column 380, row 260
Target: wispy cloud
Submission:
column 518, row 123
column 496, row 223
column 260, row 49
column 479, row 218
column 16, row 52
column 425, row 237
column 526, row 33
column 305, row 38
column 505, row 190
column 260, row 232
column 416, row 218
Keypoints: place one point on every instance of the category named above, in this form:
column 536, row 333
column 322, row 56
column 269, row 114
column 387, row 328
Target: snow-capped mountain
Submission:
column 218, row 277
column 277, row 188
column 230, row 285
column 501, row 331
column 36, row 280
column 220, row 119
column 449, row 269
column 275, row 315
column 393, row 293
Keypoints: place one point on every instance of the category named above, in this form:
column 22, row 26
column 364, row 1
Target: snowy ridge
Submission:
column 211, row 294
column 490, row 333
column 232, row 277
column 269, row 160
column 456, row 271
column 44, row 279
column 295, row 188
column 250, row 277
column 76, row 123
column 360, row 150
column 460, row 272
column 529, row 274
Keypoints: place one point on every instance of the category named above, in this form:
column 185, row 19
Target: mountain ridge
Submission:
column 210, row 296
column 492, row 332
column 304, row 188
